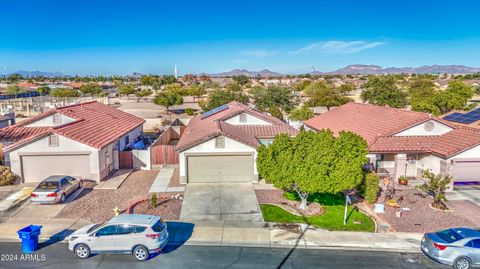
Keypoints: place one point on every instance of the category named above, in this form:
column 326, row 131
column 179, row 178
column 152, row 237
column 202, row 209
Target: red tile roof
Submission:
column 379, row 124
column 95, row 124
column 369, row 121
column 200, row 130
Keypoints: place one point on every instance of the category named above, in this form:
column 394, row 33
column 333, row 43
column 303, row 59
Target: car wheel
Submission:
column 82, row 251
column 62, row 198
column 140, row 253
column 461, row 263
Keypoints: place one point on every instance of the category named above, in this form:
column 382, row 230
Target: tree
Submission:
column 273, row 96
column 15, row 78
column 15, row 89
column 455, row 96
column 168, row 99
column 176, row 87
column 142, row 93
column 196, row 91
column 384, row 91
column 346, row 88
column 436, row 185
column 323, row 94
column 218, row 97
column 313, row 162
column 43, row 90
column 301, row 114
column 148, row 80
column 165, row 80
column 64, row 92
column 91, row 89
column 241, row 80
column 126, row 89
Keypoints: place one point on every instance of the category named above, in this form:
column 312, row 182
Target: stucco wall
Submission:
column 65, row 145
column 209, row 147
column 132, row 135
column 438, row 129
column 471, row 153
column 427, row 161
column 235, row 120
column 48, row 121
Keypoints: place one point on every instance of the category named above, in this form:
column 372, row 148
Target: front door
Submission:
column 104, row 239
column 411, row 166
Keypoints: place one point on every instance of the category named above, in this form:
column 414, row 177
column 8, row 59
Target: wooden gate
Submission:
column 125, row 160
column 163, row 155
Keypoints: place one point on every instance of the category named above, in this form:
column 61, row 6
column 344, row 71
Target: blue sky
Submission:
column 120, row 37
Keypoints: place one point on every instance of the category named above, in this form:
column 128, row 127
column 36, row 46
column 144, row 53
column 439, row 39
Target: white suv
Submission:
column 135, row 234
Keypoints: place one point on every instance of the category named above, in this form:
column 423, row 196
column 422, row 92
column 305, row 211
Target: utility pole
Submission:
column 175, row 71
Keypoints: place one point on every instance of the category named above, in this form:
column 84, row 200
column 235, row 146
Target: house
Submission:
column 220, row 145
column 79, row 140
column 404, row 143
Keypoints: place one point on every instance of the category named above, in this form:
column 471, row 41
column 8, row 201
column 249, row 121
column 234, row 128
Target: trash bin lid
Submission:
column 30, row 229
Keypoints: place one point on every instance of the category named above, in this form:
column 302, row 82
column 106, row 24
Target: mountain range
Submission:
column 363, row 69
column 28, row 74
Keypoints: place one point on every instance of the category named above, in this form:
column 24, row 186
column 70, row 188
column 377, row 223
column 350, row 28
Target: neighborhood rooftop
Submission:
column 92, row 123
column 379, row 124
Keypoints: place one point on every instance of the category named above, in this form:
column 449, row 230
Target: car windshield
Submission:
column 48, row 185
column 94, row 227
column 159, row 226
column 449, row 235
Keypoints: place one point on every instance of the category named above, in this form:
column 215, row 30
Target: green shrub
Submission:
column 370, row 187
column 6, row 176
column 189, row 111
column 153, row 200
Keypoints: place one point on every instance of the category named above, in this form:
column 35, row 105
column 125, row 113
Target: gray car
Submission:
column 136, row 234
column 458, row 247
column 55, row 189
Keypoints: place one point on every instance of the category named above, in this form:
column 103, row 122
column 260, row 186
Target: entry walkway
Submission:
column 221, row 202
column 160, row 184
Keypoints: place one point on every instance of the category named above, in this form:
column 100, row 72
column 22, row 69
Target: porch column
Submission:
column 400, row 165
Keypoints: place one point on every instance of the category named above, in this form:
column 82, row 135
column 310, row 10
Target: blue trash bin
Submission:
column 29, row 236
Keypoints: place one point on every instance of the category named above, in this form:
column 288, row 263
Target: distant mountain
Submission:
column 425, row 69
column 27, row 74
column 237, row 72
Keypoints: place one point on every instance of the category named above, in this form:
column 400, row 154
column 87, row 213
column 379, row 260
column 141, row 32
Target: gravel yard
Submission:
column 168, row 207
column 175, row 180
column 421, row 217
column 98, row 205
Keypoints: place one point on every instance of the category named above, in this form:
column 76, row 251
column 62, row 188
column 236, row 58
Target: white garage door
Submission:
column 38, row 167
column 219, row 168
column 466, row 170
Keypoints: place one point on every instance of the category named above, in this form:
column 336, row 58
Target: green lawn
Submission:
column 331, row 219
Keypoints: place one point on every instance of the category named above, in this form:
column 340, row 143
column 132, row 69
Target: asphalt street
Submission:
column 58, row 256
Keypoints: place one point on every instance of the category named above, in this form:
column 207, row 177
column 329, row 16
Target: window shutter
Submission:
column 243, row 117
column 53, row 141
column 57, row 119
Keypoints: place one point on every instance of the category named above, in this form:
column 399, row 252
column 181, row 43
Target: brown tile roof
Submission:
column 95, row 124
column 200, row 130
column 369, row 121
column 378, row 125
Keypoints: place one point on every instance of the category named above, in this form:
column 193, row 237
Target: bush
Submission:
column 153, row 200
column 436, row 186
column 189, row 111
column 369, row 188
column 6, row 176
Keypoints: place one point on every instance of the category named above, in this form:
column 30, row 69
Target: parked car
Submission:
column 139, row 235
column 55, row 189
column 458, row 247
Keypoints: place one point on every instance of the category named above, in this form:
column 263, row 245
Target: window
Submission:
column 266, row 142
column 473, row 243
column 449, row 235
column 53, row 141
column 57, row 119
column 140, row 229
column 159, row 226
column 220, row 142
column 127, row 140
column 243, row 117
column 108, row 230
column 125, row 229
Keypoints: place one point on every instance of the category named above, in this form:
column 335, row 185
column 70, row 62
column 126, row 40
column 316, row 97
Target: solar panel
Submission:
column 467, row 118
column 214, row 111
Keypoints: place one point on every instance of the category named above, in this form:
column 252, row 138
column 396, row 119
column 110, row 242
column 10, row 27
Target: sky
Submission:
column 290, row 36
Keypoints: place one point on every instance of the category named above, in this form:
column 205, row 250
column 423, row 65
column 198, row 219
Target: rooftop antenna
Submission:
column 175, row 71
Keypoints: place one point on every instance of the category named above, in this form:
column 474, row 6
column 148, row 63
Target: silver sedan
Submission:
column 458, row 247
column 55, row 189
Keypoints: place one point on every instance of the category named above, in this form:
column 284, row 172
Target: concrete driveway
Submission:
column 220, row 202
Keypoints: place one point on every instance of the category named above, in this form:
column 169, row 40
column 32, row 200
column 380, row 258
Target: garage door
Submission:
column 219, row 168
column 466, row 170
column 38, row 167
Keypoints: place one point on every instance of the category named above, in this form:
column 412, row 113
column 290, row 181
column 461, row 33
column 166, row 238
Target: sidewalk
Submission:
column 160, row 184
column 223, row 233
